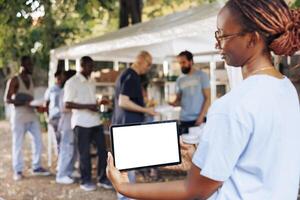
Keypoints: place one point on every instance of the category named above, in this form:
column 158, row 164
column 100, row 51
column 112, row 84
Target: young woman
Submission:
column 251, row 142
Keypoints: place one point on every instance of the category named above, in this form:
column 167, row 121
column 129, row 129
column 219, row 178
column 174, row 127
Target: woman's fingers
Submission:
column 110, row 160
column 110, row 166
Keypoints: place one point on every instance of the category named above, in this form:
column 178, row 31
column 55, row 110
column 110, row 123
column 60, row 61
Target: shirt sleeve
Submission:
column 224, row 139
column 129, row 87
column 69, row 92
column 205, row 81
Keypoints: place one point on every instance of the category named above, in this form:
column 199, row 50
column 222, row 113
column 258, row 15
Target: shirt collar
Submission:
column 81, row 77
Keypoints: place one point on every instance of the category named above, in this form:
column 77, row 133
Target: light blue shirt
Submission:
column 52, row 95
column 251, row 141
column 190, row 88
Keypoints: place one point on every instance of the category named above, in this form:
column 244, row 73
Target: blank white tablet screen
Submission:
column 145, row 145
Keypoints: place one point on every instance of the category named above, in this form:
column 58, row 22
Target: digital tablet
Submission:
column 154, row 144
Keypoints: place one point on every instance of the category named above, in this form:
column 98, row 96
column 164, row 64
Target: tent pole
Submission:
column 77, row 64
column 116, row 65
column 67, row 65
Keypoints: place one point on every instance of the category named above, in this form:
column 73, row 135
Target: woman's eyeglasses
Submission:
column 219, row 37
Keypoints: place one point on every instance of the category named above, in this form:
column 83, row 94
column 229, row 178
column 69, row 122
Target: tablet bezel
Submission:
column 146, row 123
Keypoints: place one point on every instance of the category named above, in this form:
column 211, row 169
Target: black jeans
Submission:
column 185, row 125
column 84, row 138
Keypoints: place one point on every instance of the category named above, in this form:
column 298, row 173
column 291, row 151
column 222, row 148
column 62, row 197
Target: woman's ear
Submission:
column 255, row 37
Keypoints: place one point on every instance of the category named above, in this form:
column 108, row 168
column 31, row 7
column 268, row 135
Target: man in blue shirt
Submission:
column 193, row 93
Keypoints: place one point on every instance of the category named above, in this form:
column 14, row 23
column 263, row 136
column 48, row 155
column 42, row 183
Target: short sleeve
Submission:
column 205, row 81
column 69, row 92
column 224, row 139
column 129, row 86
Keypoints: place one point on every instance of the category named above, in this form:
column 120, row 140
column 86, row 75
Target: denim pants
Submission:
column 18, row 132
column 84, row 138
column 67, row 154
column 55, row 137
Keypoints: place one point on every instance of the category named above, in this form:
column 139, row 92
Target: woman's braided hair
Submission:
column 273, row 19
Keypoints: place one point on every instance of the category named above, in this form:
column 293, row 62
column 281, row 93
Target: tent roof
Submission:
column 191, row 30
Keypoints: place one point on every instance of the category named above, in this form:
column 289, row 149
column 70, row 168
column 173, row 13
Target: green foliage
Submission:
column 64, row 22
column 159, row 7
column 296, row 4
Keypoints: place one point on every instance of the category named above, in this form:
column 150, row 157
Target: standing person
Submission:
column 67, row 153
column 19, row 93
column 251, row 141
column 52, row 103
column 129, row 99
column 80, row 96
column 193, row 93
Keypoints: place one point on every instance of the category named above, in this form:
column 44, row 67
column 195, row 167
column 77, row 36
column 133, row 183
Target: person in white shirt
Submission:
column 251, row 142
column 79, row 95
column 19, row 93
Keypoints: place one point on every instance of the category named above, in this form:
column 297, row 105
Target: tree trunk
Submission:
column 132, row 9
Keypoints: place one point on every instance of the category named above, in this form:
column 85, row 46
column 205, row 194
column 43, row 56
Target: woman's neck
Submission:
column 257, row 63
column 260, row 65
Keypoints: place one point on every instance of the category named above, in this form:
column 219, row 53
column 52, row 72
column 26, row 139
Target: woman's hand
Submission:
column 187, row 152
column 116, row 177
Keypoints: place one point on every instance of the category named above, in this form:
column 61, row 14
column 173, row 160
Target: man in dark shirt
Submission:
column 129, row 100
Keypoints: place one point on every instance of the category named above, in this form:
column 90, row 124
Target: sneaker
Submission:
column 18, row 176
column 75, row 174
column 64, row 180
column 40, row 172
column 88, row 186
column 105, row 183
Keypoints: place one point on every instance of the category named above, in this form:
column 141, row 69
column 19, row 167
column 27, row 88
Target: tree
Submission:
column 59, row 22
column 156, row 8
column 296, row 4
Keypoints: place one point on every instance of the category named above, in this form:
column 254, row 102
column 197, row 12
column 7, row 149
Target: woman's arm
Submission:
column 195, row 187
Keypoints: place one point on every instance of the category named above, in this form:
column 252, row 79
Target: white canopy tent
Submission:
column 191, row 30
